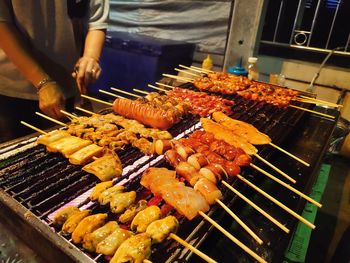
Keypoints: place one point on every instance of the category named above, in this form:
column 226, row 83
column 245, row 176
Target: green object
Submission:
column 297, row 248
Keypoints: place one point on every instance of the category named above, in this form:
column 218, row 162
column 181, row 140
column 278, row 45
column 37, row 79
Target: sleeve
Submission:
column 99, row 13
column 5, row 11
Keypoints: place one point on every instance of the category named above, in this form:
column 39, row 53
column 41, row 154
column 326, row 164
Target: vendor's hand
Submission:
column 87, row 70
column 51, row 100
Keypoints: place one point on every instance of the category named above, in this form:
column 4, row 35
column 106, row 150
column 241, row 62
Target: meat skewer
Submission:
column 157, row 180
column 247, row 93
column 280, row 204
column 248, row 131
column 156, row 228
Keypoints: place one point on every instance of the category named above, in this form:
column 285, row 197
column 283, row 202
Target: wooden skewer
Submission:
column 322, row 101
column 193, row 69
column 240, row 222
column 97, row 100
column 312, row 111
column 84, row 110
column 51, row 119
column 141, row 91
column 275, row 168
column 260, row 210
column 125, row 92
column 183, row 79
column 232, row 238
column 328, row 104
column 186, row 72
column 68, row 114
column 289, row 154
column 165, row 85
column 287, row 186
column 110, row 94
column 156, row 88
column 275, row 201
column 192, row 248
column 203, row 69
column 33, row 127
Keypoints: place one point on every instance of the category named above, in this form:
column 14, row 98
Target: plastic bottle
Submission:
column 253, row 71
column 207, row 63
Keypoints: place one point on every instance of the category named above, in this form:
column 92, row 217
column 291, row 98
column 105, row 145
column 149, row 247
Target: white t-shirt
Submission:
column 47, row 27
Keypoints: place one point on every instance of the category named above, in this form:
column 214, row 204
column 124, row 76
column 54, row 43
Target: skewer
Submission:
column 97, row 100
column 183, row 79
column 193, row 69
column 125, row 92
column 328, row 104
column 275, row 168
column 141, row 91
column 68, row 114
column 186, row 72
column 240, row 222
column 289, row 154
column 287, row 186
column 165, row 85
column 260, row 210
column 312, row 111
column 156, row 88
column 110, row 94
column 84, row 110
column 33, row 127
column 322, row 101
column 232, row 238
column 192, row 248
column 51, row 119
column 203, row 69
column 275, row 201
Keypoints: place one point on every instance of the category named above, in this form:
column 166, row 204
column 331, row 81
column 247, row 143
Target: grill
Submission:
column 34, row 184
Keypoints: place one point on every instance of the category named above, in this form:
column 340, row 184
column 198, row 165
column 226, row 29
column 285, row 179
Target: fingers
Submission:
column 86, row 72
column 51, row 100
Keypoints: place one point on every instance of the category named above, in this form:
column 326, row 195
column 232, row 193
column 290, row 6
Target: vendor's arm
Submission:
column 51, row 99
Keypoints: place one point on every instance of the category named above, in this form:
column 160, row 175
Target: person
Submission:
column 42, row 43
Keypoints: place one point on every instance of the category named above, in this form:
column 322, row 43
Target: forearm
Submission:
column 19, row 53
column 94, row 43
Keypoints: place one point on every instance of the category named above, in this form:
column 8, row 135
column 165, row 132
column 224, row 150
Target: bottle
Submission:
column 253, row 71
column 207, row 63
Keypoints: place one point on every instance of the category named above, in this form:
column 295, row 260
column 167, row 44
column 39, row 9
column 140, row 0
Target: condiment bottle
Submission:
column 253, row 71
column 207, row 63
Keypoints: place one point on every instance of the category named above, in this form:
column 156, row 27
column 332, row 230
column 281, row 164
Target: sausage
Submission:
column 145, row 113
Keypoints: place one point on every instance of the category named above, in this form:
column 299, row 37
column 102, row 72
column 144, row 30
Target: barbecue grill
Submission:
column 34, row 184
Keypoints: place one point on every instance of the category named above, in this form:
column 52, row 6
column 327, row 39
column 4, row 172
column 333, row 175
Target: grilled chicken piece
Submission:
column 135, row 249
column 110, row 244
column 106, row 196
column 88, row 225
column 91, row 240
column 131, row 212
column 160, row 229
column 72, row 222
column 144, row 218
column 121, row 201
column 99, row 188
column 62, row 215
column 105, row 168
